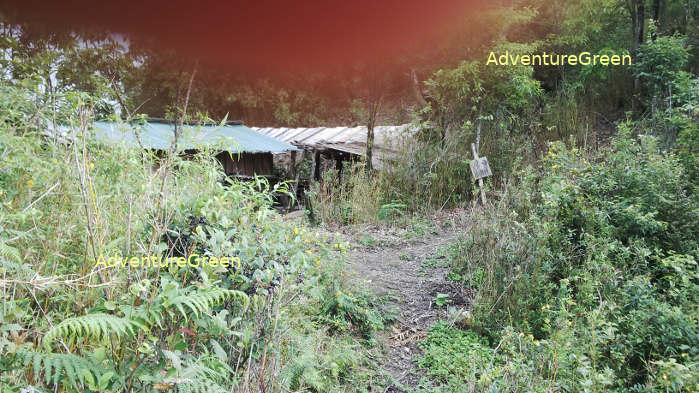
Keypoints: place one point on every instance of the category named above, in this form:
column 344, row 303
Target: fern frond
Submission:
column 59, row 367
column 147, row 314
column 92, row 325
column 201, row 385
column 9, row 252
column 303, row 372
column 176, row 362
column 202, row 302
column 198, row 379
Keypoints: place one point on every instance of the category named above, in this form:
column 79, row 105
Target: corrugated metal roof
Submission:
column 346, row 139
column 159, row 136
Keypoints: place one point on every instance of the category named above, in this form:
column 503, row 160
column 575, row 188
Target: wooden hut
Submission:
column 340, row 144
column 241, row 151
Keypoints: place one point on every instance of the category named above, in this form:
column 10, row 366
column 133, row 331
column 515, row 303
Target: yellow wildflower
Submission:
column 30, row 183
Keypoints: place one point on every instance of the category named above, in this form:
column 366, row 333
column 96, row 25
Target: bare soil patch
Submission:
column 411, row 274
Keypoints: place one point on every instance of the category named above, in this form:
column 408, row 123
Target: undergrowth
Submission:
column 591, row 267
column 280, row 318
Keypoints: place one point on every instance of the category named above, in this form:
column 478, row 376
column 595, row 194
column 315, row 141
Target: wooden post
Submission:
column 315, row 165
column 480, row 179
column 292, row 165
column 297, row 174
column 338, row 167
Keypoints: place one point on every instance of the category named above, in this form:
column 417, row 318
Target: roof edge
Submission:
column 163, row 120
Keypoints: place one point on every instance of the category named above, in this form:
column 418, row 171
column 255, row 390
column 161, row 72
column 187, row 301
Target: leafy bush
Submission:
column 597, row 260
column 70, row 324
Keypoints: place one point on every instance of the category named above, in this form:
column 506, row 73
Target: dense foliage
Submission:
column 597, row 261
column 512, row 112
column 280, row 316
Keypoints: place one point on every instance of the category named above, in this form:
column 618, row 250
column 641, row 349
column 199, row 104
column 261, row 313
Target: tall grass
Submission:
column 356, row 197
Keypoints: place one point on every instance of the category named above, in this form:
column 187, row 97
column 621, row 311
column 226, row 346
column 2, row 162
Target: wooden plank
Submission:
column 297, row 178
column 480, row 168
column 477, row 164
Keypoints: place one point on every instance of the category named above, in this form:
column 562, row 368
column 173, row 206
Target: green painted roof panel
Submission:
column 159, row 136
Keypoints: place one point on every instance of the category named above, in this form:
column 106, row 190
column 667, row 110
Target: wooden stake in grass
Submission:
column 479, row 170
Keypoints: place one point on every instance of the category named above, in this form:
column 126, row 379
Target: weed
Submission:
column 441, row 300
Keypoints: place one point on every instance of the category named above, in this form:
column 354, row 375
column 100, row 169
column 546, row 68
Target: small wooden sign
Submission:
column 480, row 168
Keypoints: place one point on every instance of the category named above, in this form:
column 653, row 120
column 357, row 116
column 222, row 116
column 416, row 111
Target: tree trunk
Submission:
column 371, row 122
column 659, row 7
column 641, row 21
column 369, row 146
column 637, row 12
column 417, row 91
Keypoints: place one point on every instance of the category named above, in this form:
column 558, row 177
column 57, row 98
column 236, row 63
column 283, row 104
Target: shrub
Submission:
column 68, row 324
column 602, row 270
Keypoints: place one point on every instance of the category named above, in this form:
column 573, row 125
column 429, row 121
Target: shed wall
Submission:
column 247, row 164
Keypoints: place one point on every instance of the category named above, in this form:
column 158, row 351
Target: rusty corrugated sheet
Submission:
column 346, row 139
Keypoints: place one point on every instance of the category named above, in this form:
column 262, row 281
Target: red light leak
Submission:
column 274, row 35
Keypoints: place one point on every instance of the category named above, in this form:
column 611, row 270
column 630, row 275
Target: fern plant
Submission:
column 58, row 368
column 98, row 326
column 9, row 252
column 202, row 302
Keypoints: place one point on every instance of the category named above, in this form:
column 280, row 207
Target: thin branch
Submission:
column 417, row 91
column 41, row 283
column 41, row 197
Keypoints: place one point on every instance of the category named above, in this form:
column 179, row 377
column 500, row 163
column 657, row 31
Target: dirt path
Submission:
column 412, row 274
